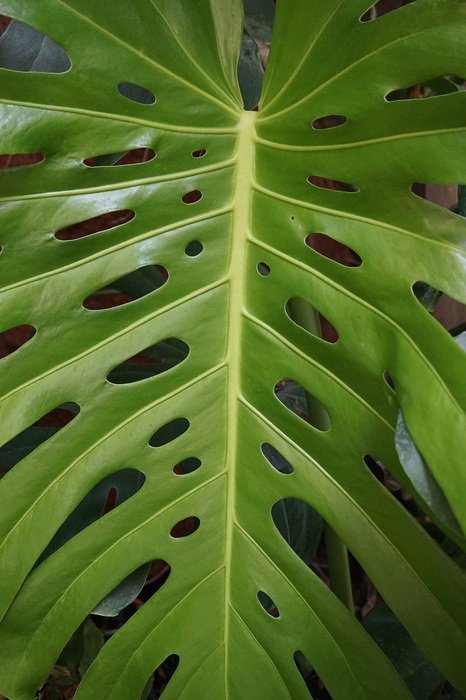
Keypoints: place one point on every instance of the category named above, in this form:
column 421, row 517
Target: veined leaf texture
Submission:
column 214, row 224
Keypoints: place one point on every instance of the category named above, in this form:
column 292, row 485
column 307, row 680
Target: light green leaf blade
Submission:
column 256, row 207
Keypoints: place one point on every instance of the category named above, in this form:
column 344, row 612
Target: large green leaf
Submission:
column 229, row 305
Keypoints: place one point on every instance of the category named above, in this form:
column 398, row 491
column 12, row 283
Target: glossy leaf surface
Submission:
column 249, row 199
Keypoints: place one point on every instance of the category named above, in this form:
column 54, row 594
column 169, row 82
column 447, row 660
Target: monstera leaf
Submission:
column 225, row 204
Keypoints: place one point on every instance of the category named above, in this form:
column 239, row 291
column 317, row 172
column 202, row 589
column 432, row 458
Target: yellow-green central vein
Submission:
column 240, row 234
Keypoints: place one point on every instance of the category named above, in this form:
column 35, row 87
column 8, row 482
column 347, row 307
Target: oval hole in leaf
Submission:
column 326, row 183
column 433, row 88
column 26, row 49
column 268, row 604
column 124, row 290
column 36, row 434
column 200, row 153
column 168, row 432
column 192, row 197
column 104, row 497
column 263, row 269
column 185, row 527
column 19, row 160
column 299, row 309
column 194, row 248
column 187, row 466
column 160, row 678
column 332, row 249
column 150, row 362
column 380, row 8
column 136, row 93
column 330, row 121
column 96, row 224
column 14, row 338
column 276, row 459
column 299, row 525
column 133, row 157
column 300, row 402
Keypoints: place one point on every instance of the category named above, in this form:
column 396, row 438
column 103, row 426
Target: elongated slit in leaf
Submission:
column 124, row 290
column 326, row 183
column 96, row 224
column 120, row 158
column 161, row 677
column 296, row 307
column 268, row 604
column 332, row 249
column 14, row 338
column 20, row 160
column 276, row 459
column 381, row 8
column 104, row 497
column 25, row 49
column 303, row 404
column 168, row 432
column 150, row 362
column 36, row 434
column 126, row 591
column 330, row 121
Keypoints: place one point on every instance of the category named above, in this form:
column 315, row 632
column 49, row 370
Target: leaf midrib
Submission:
column 237, row 274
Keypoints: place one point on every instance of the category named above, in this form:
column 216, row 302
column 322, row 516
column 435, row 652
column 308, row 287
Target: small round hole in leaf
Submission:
column 199, row 154
column 194, row 248
column 263, row 269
